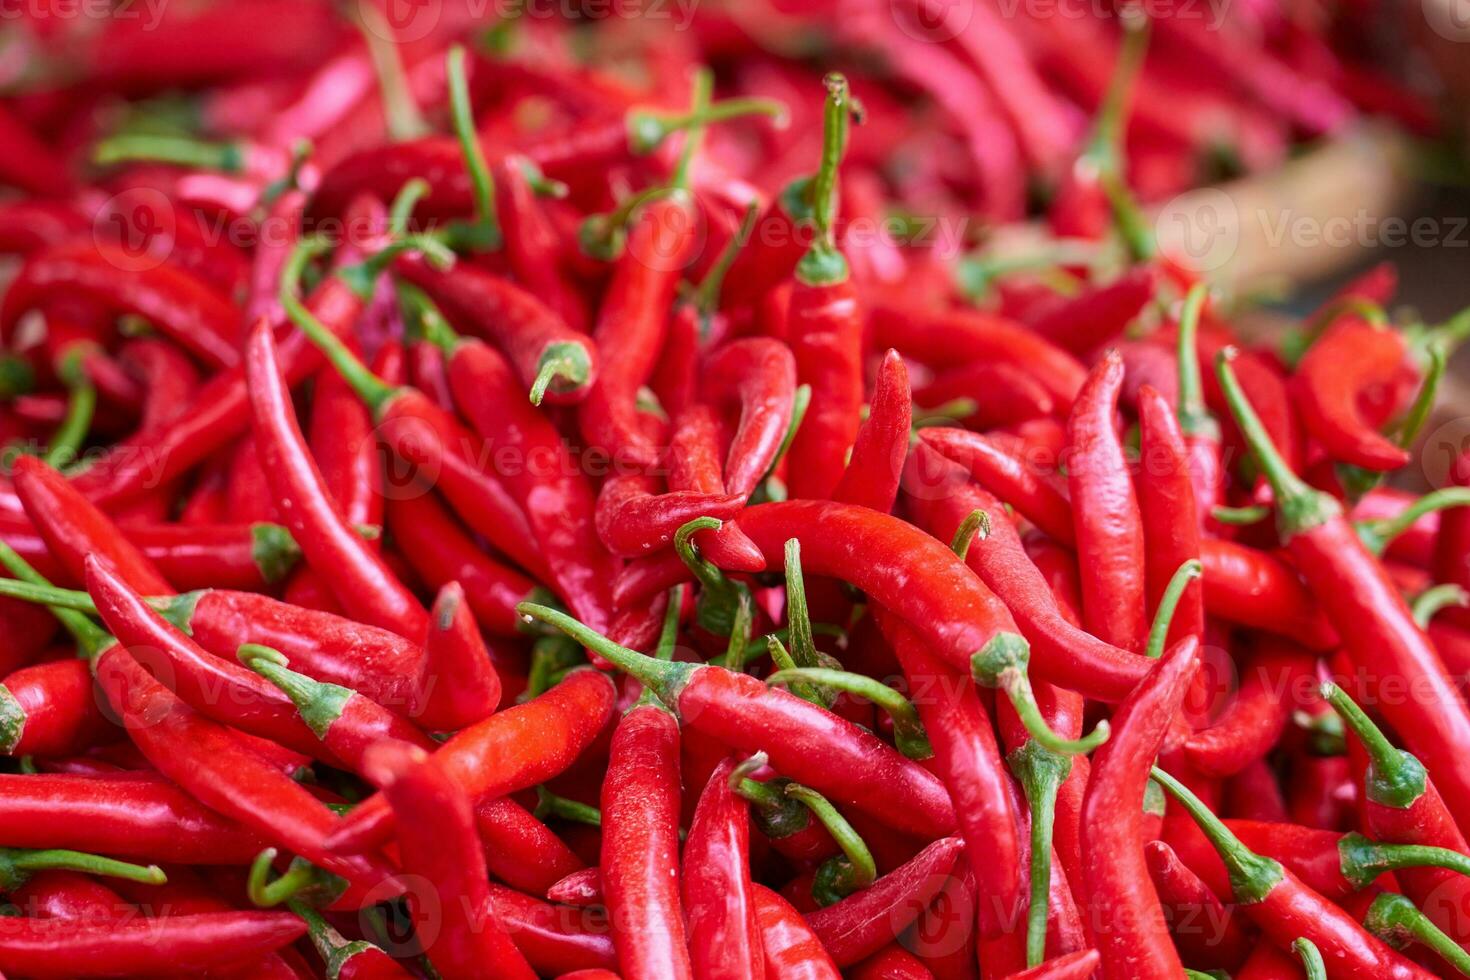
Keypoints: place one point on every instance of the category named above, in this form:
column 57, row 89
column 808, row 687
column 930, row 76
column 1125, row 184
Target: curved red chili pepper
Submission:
column 450, row 903
column 891, row 963
column 791, row 948
column 539, row 470
column 1105, row 514
column 724, row 940
column 73, row 528
column 217, row 769
column 1010, row 477
column 439, row 550
column 871, row 478
column 531, row 242
column 67, row 895
column 359, row 578
column 1352, row 356
column 50, row 709
column 180, row 305
column 1115, row 884
column 1259, row 590
column 511, row 750
column 969, row 762
column 459, row 684
column 866, row 921
column 30, row 164
column 1269, row 686
column 1098, row 315
column 1209, row 933
column 552, row 940
column 632, row 321
column 521, row 850
column 548, row 355
column 1062, row 652
column 759, row 375
column 1285, row 909
column 1378, row 629
column 1073, row 966
column 640, row 847
column 804, row 741
column 962, row 336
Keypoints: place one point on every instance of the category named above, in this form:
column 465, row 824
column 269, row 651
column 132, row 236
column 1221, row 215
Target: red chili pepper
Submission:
column 1400, row 804
column 1106, row 514
column 1098, row 315
column 511, row 750
column 1379, row 632
column 50, row 709
column 866, row 921
column 541, row 474
column 127, row 815
column 358, row 960
column 1285, row 909
column 760, row 376
column 554, row 939
column 876, row 464
column 360, row 580
column 439, row 550
column 963, row 336
column 73, row 528
column 1010, row 477
column 631, row 320
column 549, row 357
column 180, row 305
column 1114, row 882
column 459, row 684
column 806, row 742
column 1166, row 503
column 28, row 225
column 969, row 762
column 1353, row 355
column 521, row 850
column 694, row 464
column 989, row 395
column 30, row 164
column 191, row 943
column 791, row 948
column 1073, row 966
column 634, row 519
column 1269, row 686
column 1452, row 545
column 531, row 243
column 1210, row 934
column 1259, row 590
column 891, row 963
column 1063, row 653
column 169, row 379
column 640, row 848
column 450, row 904
column 67, row 895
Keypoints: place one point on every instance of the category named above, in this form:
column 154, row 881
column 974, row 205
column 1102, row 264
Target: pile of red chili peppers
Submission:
column 493, row 501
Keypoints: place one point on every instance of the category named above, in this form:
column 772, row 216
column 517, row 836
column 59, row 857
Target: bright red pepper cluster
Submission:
column 529, row 513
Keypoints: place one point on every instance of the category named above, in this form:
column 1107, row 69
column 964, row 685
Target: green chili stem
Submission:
column 1395, row 778
column 1432, row 600
column 908, row 731
column 469, row 142
column 1003, row 664
column 1377, row 535
column 976, row 524
column 1252, row 877
column 1158, row 633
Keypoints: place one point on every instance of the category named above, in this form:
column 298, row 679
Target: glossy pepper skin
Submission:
column 640, row 848
column 724, row 940
column 437, row 843
column 791, row 948
column 1115, row 885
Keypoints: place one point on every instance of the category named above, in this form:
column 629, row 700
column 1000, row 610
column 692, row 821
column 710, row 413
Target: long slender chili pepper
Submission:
column 1106, row 515
column 640, row 848
column 1062, row 653
column 1073, row 966
column 1270, row 680
column 970, row 765
column 541, row 475
column 67, row 895
column 190, row 312
column 1452, row 545
column 695, row 464
column 805, row 742
column 426, row 436
column 1208, row 932
column 1115, row 884
column 203, row 757
column 876, row 464
column 1402, row 805
column 531, row 244
column 760, row 375
column 791, row 948
column 1260, row 590
column 1009, row 476
column 1285, row 909
column 1099, row 314
column 73, row 528
column 519, row 747
column 866, row 921
column 1379, row 632
column 437, row 843
column 1167, row 506
column 553, row 941
column 358, row 576
column 1201, row 429
column 826, row 326
column 459, row 685
column 191, row 943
